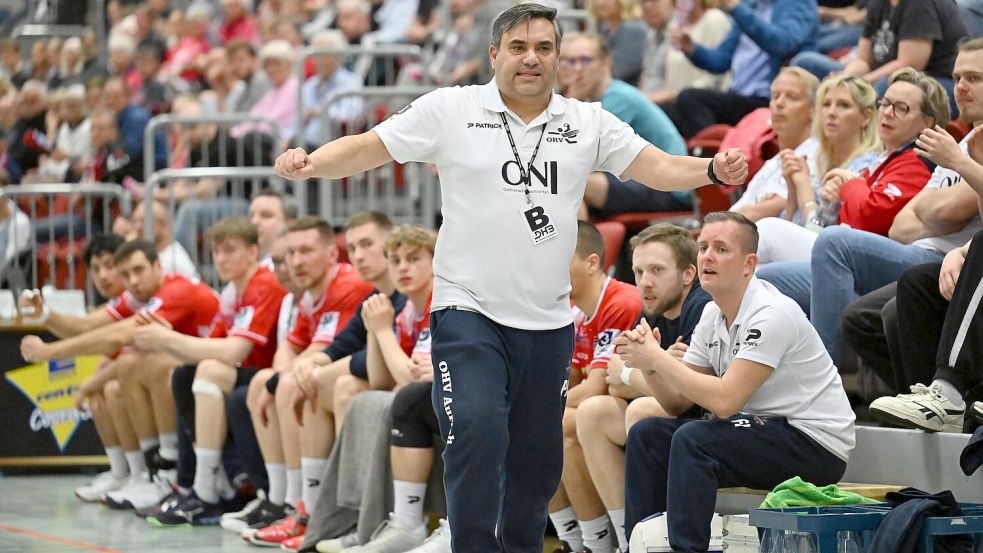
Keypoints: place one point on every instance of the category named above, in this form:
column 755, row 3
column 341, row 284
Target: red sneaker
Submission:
column 274, row 535
column 292, row 544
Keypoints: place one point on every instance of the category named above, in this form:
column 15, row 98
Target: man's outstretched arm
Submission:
column 337, row 159
column 657, row 169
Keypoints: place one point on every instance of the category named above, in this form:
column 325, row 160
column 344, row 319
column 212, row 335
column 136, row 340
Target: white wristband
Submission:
column 626, row 375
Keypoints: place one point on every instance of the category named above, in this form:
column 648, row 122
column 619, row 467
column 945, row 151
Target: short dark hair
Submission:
column 676, row 238
column 523, row 13
column 133, row 246
column 311, row 222
column 233, row 227
column 589, row 241
column 749, row 230
column 287, row 204
column 377, row 218
column 100, row 245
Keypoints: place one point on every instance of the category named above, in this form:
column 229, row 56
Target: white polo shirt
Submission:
column 804, row 386
column 485, row 259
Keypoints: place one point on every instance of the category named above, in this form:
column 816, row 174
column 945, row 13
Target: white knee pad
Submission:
column 201, row 386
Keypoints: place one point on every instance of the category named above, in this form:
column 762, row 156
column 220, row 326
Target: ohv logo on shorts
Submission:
column 545, row 175
column 446, row 388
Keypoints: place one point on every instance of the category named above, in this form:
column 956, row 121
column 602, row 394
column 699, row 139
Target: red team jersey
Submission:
column 413, row 328
column 187, row 303
column 124, row 306
column 617, row 310
column 318, row 321
column 252, row 315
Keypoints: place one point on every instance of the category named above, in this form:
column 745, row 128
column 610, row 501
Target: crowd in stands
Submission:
column 240, row 406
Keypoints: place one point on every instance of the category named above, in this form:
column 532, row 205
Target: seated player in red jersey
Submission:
column 242, row 341
column 606, row 307
column 333, row 293
column 184, row 304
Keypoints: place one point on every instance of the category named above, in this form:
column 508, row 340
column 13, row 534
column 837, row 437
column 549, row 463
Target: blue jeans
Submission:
column 848, row 263
column 833, row 37
column 972, row 12
column 818, row 64
column 792, row 278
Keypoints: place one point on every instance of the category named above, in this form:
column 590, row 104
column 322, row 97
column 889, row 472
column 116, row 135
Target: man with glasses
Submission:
column 513, row 160
column 586, row 74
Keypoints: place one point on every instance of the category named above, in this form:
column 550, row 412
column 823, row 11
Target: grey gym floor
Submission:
column 40, row 514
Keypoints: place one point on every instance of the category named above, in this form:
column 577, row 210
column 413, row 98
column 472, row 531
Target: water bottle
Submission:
column 825, row 215
column 849, row 541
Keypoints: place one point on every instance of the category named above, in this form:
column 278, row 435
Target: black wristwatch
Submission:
column 712, row 176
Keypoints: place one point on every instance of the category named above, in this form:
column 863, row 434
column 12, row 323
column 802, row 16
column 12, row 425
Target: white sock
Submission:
column 597, row 537
column 617, row 517
column 950, row 392
column 567, row 528
column 408, row 503
column 223, row 486
column 277, row 475
column 117, row 462
column 168, row 445
column 136, row 462
column 146, row 444
column 292, row 496
column 312, row 471
column 209, row 463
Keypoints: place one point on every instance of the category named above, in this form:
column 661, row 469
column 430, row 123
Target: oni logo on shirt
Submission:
column 328, row 324
column 543, row 174
column 244, row 318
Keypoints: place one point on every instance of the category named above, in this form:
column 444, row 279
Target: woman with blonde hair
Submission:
column 624, row 35
column 845, row 125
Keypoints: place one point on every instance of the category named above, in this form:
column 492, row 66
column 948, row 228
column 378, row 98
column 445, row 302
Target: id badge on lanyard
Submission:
column 535, row 218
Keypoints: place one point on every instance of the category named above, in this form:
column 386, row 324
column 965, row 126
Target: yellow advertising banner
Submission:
column 51, row 387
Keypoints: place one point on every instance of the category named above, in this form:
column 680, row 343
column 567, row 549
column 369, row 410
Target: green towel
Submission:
column 796, row 492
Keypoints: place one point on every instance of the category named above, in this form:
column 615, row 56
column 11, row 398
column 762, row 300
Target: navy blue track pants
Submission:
column 499, row 395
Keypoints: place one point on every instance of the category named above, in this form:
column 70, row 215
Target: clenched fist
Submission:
column 294, row 164
column 730, row 166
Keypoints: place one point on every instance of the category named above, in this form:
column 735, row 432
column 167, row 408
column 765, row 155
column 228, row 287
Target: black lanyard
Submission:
column 524, row 173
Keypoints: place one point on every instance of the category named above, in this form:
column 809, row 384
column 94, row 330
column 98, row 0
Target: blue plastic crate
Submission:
column 827, row 522
column 824, row 522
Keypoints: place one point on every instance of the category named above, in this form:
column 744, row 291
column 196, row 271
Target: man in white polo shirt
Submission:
column 513, row 160
column 760, row 368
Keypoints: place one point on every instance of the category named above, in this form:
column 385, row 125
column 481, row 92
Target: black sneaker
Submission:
column 258, row 513
column 189, row 511
column 164, row 504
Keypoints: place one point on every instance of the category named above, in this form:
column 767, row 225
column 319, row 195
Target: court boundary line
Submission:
column 57, row 539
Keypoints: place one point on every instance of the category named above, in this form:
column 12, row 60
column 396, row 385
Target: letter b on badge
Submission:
column 537, row 218
column 538, row 223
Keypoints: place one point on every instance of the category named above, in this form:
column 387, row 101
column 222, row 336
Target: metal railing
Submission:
column 575, row 20
column 193, row 217
column 224, row 122
column 54, row 255
column 408, row 192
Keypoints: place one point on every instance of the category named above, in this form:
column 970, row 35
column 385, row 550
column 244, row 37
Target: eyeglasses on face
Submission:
column 900, row 108
column 576, row 61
